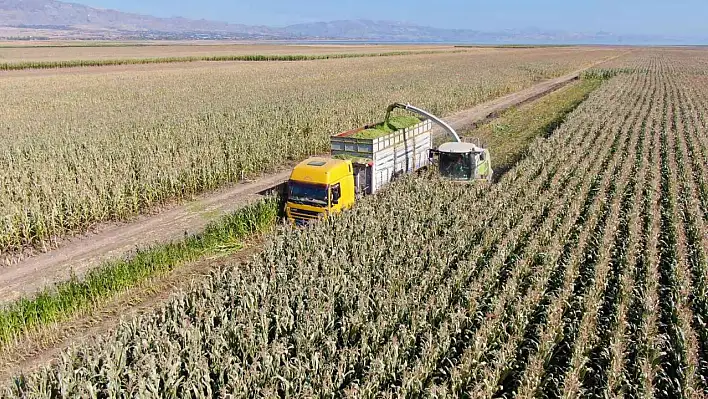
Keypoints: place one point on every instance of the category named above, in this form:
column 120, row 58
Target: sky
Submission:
column 675, row 18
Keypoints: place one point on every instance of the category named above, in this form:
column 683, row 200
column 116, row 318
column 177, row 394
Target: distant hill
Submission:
column 58, row 15
column 398, row 31
column 375, row 30
column 58, row 19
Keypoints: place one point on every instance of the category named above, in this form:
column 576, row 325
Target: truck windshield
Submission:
column 307, row 194
column 455, row 166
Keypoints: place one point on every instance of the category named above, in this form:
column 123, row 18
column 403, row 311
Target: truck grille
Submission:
column 305, row 213
column 303, row 217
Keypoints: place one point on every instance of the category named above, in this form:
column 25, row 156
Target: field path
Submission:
column 78, row 255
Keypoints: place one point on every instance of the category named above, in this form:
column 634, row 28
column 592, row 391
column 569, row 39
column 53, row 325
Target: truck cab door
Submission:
column 335, row 196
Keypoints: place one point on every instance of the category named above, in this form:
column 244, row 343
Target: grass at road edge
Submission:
column 509, row 136
column 68, row 298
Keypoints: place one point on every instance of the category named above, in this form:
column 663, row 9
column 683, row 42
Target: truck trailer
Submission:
column 356, row 167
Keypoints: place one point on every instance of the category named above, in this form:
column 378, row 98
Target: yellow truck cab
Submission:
column 319, row 186
column 358, row 166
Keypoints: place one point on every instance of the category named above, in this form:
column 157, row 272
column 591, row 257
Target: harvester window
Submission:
column 456, row 166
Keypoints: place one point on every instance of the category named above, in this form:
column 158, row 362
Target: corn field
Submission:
column 82, row 148
column 48, row 52
column 14, row 66
column 582, row 273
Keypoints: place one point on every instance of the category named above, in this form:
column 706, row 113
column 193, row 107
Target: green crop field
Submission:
column 59, row 303
column 511, row 133
column 581, row 273
column 86, row 146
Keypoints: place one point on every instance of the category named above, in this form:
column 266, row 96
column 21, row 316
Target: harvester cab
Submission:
column 457, row 160
column 463, row 162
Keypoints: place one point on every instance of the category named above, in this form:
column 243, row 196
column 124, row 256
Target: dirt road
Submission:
column 81, row 254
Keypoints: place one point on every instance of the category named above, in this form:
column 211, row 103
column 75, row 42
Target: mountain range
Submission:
column 53, row 19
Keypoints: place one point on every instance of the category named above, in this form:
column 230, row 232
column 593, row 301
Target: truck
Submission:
column 358, row 166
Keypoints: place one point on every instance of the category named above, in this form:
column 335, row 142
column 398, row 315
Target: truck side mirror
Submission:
column 336, row 194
